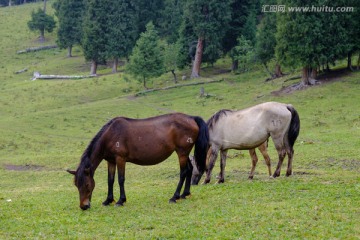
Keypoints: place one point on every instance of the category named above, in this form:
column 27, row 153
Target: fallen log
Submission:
column 34, row 49
column 21, row 71
column 175, row 86
column 37, row 75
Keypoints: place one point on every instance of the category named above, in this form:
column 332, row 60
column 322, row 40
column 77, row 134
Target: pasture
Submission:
column 46, row 125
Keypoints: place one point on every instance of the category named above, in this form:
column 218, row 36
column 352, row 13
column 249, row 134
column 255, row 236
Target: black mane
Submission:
column 216, row 117
column 85, row 158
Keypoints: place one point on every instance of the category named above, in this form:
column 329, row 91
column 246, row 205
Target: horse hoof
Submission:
column 251, row 177
column 205, row 182
column 220, row 181
column 119, row 204
column 172, row 200
column 107, row 202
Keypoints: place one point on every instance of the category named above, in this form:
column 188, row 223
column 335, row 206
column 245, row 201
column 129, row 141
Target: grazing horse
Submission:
column 250, row 128
column 143, row 142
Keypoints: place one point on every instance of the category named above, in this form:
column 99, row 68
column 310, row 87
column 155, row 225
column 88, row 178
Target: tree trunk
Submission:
column 69, row 54
column 93, row 67
column 173, row 72
column 198, row 58
column 234, row 65
column 305, row 76
column 349, row 64
column 314, row 73
column 144, row 83
column 115, row 65
column 42, row 35
column 358, row 63
column 278, row 72
column 10, row 3
column 44, row 6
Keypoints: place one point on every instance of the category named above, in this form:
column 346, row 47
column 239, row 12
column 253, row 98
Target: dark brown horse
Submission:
column 143, row 142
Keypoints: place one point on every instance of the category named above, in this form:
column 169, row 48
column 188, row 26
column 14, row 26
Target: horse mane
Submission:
column 85, row 158
column 216, row 117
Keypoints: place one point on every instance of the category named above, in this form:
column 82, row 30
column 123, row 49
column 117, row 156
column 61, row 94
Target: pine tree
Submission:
column 302, row 38
column 42, row 22
column 171, row 58
column 95, row 32
column 122, row 30
column 209, row 19
column 69, row 14
column 147, row 60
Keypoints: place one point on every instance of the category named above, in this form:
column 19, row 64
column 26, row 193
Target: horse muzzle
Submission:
column 85, row 205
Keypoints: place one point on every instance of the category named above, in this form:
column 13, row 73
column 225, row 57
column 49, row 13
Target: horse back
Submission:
column 150, row 141
column 250, row 127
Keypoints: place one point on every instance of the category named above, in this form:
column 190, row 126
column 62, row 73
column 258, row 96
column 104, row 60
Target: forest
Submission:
column 158, row 36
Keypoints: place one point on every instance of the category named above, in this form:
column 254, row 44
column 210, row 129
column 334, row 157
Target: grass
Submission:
column 46, row 125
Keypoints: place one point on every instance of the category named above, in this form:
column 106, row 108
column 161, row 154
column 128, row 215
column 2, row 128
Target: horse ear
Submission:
column 71, row 171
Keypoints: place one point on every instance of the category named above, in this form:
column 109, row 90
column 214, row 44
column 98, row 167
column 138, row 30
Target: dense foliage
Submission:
column 205, row 31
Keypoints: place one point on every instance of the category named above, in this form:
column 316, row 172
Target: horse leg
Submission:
column 281, row 152
column 186, row 191
column 290, row 153
column 223, row 154
column 121, row 178
column 111, row 179
column 263, row 150
column 254, row 160
column 213, row 155
column 183, row 174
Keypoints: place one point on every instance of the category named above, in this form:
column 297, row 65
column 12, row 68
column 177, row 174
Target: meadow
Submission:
column 46, row 125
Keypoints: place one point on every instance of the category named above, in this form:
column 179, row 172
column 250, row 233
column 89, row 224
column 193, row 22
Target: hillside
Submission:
column 46, row 125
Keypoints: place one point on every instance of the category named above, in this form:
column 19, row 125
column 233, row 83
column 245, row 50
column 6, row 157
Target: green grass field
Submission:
column 46, row 125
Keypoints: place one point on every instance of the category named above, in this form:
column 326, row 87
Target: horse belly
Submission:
column 148, row 159
column 240, row 138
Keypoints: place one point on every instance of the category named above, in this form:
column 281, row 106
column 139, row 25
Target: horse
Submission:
column 254, row 159
column 146, row 141
column 248, row 129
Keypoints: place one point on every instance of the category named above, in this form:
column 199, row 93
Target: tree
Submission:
column 243, row 22
column 243, row 52
column 302, row 38
column 147, row 60
column 171, row 17
column 42, row 22
column 171, row 58
column 94, row 32
column 266, row 43
column 122, row 30
column 70, row 14
column 209, row 19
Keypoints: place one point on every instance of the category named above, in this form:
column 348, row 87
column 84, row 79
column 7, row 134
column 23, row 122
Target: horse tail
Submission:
column 294, row 128
column 201, row 144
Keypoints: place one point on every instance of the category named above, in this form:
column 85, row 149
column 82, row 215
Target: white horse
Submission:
column 248, row 129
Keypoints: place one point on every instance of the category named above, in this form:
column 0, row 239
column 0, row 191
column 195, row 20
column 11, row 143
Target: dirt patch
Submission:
column 26, row 167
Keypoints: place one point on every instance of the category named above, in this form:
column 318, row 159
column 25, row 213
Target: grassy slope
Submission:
column 49, row 123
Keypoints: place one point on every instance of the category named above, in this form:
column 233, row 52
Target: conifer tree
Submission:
column 69, row 14
column 41, row 22
column 146, row 60
column 122, row 30
column 209, row 20
column 94, row 32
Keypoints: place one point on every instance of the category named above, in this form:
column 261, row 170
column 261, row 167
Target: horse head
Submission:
column 84, row 181
column 196, row 174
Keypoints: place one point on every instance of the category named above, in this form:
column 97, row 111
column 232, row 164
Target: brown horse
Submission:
column 249, row 128
column 143, row 142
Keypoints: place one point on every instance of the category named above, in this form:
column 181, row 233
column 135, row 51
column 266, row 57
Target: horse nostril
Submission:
column 85, row 207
